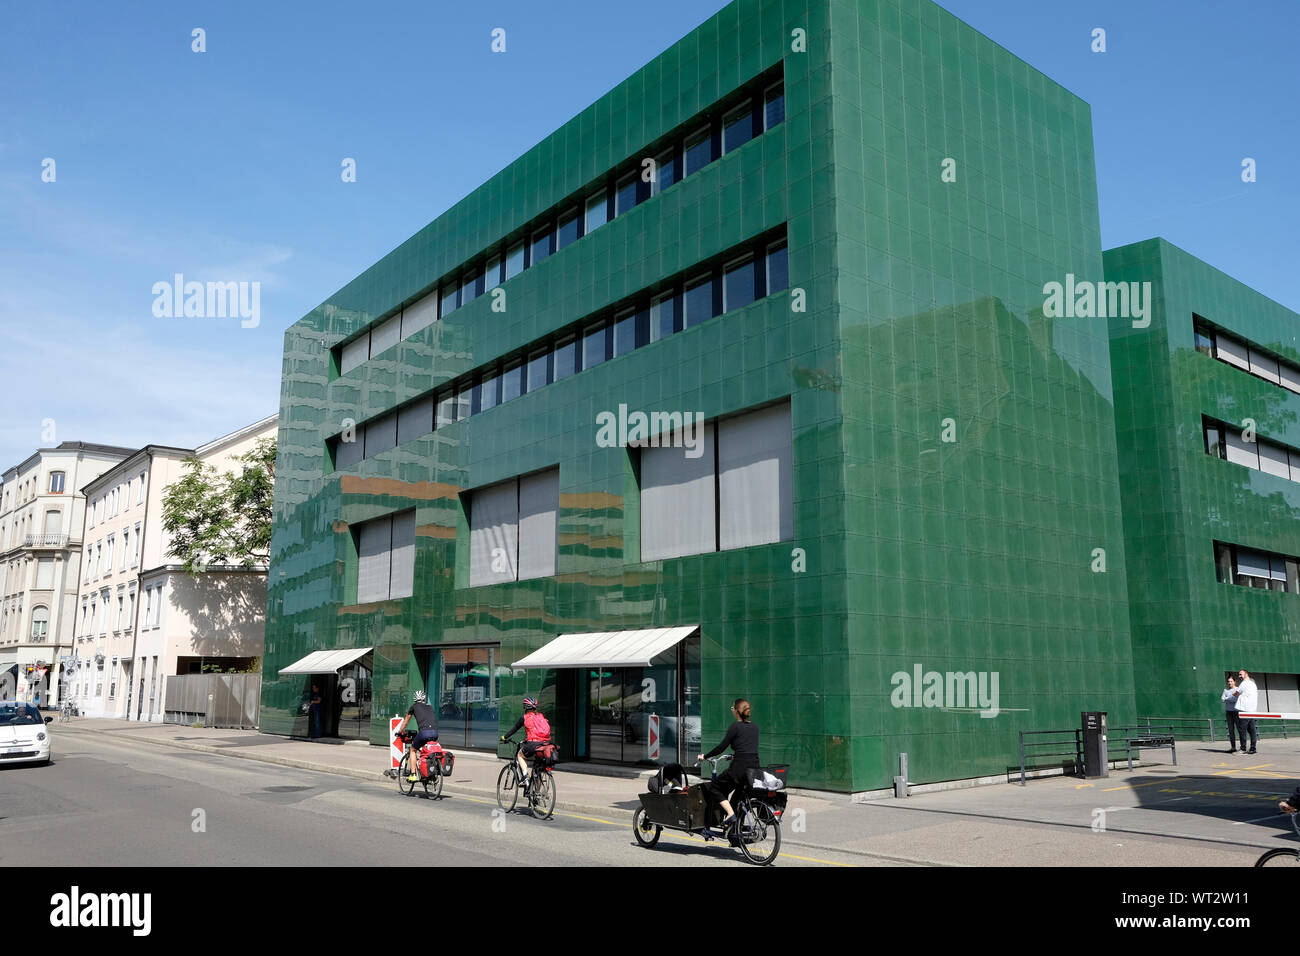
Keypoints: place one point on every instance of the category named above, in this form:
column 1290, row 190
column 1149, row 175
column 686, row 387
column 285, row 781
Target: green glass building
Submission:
column 1207, row 403
column 815, row 235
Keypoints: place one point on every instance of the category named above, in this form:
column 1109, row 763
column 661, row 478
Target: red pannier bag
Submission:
column 426, row 752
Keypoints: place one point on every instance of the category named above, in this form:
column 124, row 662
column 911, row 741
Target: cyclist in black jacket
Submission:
column 427, row 723
column 742, row 738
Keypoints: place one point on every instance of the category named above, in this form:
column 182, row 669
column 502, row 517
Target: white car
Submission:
column 24, row 736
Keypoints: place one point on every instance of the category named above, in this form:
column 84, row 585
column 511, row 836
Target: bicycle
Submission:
column 411, row 758
column 539, row 790
column 1283, row 856
column 67, row 710
column 756, row 830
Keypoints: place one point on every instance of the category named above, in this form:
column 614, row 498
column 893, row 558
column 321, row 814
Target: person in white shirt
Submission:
column 1229, row 699
column 1247, row 703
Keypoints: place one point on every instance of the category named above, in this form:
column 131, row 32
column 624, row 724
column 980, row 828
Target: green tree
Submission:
column 222, row 518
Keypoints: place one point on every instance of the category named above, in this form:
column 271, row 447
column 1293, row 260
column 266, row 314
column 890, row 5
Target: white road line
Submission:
column 1271, row 816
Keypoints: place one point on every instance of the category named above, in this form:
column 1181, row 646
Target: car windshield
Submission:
column 13, row 714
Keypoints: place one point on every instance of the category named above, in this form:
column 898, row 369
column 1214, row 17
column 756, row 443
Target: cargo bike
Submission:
column 673, row 803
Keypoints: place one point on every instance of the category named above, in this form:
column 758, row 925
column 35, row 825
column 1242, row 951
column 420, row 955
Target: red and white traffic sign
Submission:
column 1269, row 716
column 395, row 748
column 652, row 738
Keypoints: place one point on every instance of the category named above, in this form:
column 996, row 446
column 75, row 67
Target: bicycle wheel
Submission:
column 1279, row 858
column 433, row 785
column 403, row 771
column 646, row 833
column 508, row 787
column 758, row 832
column 542, row 795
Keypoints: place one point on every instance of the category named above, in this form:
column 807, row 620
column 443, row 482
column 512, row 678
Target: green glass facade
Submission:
column 953, row 448
column 1188, row 626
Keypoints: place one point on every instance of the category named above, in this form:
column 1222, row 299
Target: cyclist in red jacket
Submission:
column 538, row 733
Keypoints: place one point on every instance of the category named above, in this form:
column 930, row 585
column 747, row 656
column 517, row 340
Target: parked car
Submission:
column 24, row 736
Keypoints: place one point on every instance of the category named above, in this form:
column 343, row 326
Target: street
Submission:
column 108, row 801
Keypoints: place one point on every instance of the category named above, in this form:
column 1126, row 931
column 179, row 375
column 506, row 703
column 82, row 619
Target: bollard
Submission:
column 900, row 782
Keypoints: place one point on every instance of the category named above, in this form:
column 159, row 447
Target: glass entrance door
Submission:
column 646, row 715
column 465, row 682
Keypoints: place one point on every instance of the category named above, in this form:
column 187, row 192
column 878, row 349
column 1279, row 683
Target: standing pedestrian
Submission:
column 314, row 728
column 1230, row 713
column 1247, row 703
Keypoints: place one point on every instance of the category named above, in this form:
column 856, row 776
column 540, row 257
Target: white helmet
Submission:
column 421, row 697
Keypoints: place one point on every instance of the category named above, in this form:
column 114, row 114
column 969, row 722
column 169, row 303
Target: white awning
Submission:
column 608, row 648
column 325, row 662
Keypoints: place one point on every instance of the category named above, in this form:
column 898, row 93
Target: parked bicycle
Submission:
column 67, row 710
column 676, row 805
column 539, row 790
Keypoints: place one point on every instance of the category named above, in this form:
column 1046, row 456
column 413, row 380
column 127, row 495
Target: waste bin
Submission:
column 1096, row 762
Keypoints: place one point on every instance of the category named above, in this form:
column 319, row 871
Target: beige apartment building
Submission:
column 41, row 520
column 140, row 615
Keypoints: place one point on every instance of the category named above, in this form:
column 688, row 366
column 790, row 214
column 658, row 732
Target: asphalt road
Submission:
column 109, row 801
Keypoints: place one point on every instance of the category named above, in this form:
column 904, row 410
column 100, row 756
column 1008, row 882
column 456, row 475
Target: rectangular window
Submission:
column 1241, row 452
column 492, row 274
column 1264, row 367
column 538, row 370
column 625, row 197
column 778, row 269
column 140, row 493
column 56, row 482
column 464, row 396
column 1290, row 377
column 594, row 345
column 126, row 547
column 494, row 534
column 1231, row 352
column 419, row 315
column 385, row 335
column 737, row 128
column 470, row 288
column 1205, row 341
column 386, row 558
column 490, row 391
column 698, row 302
column 699, row 151
column 354, row 353
column 541, row 247
column 774, row 106
column 401, row 579
column 755, row 478
column 663, row 317
column 566, row 356
column 738, row 288
column 568, row 231
column 445, row 413
column 135, row 557
column 1214, row 444
column 596, row 211
column 44, row 574
column 381, row 435
column 1274, row 460
column 349, row 453
column 512, row 381
column 450, row 299
column 415, row 420
column 515, row 260
column 678, row 501
column 624, row 333
column 665, row 171
column 539, row 505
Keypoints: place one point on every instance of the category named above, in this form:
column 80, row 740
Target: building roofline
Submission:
column 69, row 446
column 237, row 434
column 130, row 460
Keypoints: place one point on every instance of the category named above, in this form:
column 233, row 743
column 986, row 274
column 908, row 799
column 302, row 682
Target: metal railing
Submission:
column 1066, row 743
column 1204, row 728
column 45, row 541
column 1147, row 737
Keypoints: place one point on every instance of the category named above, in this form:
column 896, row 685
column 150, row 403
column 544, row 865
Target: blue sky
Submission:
column 225, row 165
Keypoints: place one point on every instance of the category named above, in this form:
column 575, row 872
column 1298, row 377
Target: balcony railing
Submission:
column 45, row 541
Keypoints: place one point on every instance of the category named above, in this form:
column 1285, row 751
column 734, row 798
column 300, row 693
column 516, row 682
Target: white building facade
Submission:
column 42, row 515
column 141, row 616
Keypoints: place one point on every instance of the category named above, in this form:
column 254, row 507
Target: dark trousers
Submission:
column 1247, row 727
column 1234, row 729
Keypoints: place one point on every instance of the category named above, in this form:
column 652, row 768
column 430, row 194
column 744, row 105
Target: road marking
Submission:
column 1258, row 766
column 1080, row 786
column 1136, row 786
column 1271, row 816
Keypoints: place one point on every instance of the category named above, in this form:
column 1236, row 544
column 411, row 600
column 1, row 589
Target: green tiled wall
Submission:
column 921, row 300
column 1187, row 627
